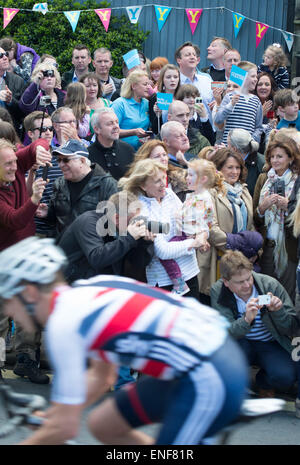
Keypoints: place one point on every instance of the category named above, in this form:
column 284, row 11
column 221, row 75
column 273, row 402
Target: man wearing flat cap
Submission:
column 82, row 186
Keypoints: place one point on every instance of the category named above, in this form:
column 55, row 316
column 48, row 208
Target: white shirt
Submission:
column 203, row 83
column 165, row 212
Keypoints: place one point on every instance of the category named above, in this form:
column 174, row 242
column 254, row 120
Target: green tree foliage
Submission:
column 52, row 33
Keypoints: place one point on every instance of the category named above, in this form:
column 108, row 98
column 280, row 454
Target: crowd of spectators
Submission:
column 91, row 160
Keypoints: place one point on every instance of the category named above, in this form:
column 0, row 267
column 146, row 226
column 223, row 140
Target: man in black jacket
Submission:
column 107, row 241
column 102, row 63
column 82, row 186
column 112, row 154
column 81, row 59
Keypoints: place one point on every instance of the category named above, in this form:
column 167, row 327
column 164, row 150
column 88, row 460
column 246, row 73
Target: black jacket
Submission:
column 91, row 250
column 98, row 189
column 17, row 86
column 114, row 160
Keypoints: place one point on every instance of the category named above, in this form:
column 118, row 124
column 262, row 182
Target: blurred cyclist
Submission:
column 194, row 376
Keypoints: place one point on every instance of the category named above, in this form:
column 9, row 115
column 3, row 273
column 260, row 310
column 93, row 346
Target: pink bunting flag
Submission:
column 261, row 29
column 104, row 15
column 8, row 15
column 193, row 15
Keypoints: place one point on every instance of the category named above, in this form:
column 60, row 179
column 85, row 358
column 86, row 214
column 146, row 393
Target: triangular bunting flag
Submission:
column 289, row 38
column 104, row 15
column 41, row 7
column 134, row 13
column 237, row 22
column 193, row 15
column 162, row 12
column 73, row 17
column 261, row 29
column 8, row 15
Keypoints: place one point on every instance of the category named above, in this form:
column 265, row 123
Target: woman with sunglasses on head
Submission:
column 44, row 92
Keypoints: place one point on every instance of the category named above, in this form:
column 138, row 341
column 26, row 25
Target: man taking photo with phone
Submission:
column 260, row 312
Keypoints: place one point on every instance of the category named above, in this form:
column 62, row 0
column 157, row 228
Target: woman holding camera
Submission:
column 44, row 92
column 270, row 205
column 148, row 182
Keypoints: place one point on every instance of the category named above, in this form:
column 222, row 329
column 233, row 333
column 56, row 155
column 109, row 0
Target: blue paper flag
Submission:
column 132, row 59
column 238, row 75
column 163, row 100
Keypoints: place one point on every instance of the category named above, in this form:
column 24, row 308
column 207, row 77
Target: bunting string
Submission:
column 162, row 13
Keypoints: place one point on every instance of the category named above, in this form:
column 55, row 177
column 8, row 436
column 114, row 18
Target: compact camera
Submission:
column 45, row 100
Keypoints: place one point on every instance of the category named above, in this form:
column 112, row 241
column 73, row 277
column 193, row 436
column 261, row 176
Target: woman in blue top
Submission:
column 132, row 108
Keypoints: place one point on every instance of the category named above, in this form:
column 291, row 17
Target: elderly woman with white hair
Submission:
column 240, row 141
column 44, row 92
column 132, row 108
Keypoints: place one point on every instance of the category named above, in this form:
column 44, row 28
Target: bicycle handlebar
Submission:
column 19, row 409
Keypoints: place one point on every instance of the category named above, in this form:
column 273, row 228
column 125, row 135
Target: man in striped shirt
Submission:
column 261, row 330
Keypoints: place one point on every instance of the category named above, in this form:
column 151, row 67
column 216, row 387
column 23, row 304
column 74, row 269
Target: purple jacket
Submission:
column 247, row 242
column 22, row 49
column 30, row 100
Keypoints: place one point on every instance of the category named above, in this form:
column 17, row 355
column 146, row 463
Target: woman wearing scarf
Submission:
column 270, row 203
column 233, row 227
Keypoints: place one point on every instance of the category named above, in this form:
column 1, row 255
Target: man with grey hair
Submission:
column 179, row 111
column 102, row 63
column 108, row 151
column 173, row 134
column 240, row 141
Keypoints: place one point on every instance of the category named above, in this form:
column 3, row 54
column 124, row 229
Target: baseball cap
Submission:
column 71, row 148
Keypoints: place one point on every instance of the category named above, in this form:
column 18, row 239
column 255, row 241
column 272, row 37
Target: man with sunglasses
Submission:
column 11, row 89
column 82, row 186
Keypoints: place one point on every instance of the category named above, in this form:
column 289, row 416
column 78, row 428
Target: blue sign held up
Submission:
column 238, row 75
column 164, row 100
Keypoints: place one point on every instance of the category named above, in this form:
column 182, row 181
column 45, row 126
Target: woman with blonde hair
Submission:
column 44, row 92
column 76, row 100
column 160, row 203
column 132, row 108
column 156, row 149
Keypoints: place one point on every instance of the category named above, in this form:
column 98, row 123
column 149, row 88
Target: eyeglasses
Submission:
column 48, row 73
column 44, row 129
column 73, row 121
column 66, row 160
column 2, row 54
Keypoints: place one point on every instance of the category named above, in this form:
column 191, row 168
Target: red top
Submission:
column 16, row 208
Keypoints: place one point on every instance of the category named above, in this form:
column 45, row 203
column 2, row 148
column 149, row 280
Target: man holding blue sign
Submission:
column 241, row 109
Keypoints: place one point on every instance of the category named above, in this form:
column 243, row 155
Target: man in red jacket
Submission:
column 17, row 208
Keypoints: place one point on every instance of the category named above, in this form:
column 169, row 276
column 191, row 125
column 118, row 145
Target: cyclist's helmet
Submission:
column 34, row 260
